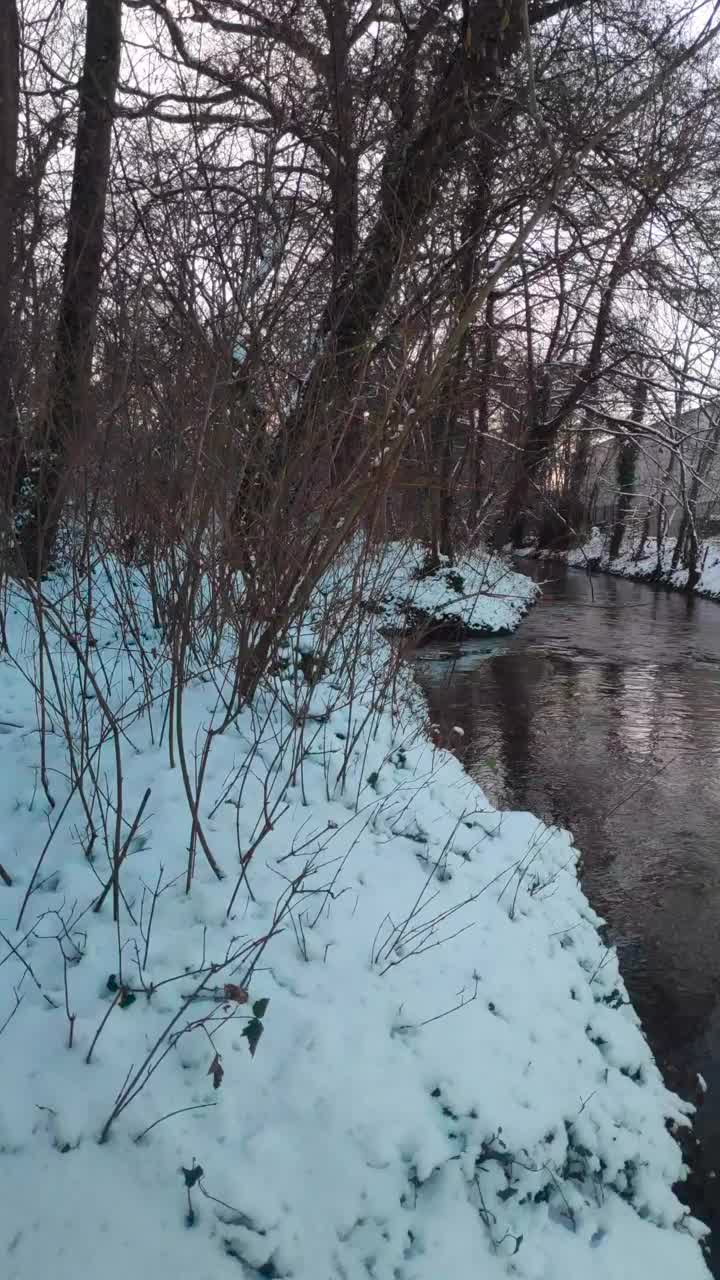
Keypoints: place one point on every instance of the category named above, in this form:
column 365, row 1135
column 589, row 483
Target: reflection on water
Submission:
column 603, row 714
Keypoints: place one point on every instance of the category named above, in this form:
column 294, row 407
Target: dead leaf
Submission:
column 236, row 993
column 216, row 1071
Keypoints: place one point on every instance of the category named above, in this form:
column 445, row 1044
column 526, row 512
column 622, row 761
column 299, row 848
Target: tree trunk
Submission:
column 65, row 418
column 444, row 430
column 343, row 176
column 679, row 542
column 627, row 467
column 691, row 549
column 644, row 535
column 441, row 495
column 9, row 111
column 573, row 513
column 663, row 519
column 692, row 556
column 482, row 421
column 535, row 454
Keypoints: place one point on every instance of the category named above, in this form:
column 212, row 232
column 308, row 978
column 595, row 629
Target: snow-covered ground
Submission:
column 594, row 554
column 447, row 1079
column 478, row 594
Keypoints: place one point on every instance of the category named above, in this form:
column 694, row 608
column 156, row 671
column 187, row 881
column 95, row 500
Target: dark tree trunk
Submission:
column 65, row 418
column 627, row 467
column 9, row 111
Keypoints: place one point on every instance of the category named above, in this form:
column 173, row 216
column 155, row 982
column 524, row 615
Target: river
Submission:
column 602, row 714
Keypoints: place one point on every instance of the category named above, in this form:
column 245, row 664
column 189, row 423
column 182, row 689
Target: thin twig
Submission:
column 70, row 1016
column 96, row 1037
column 123, row 853
column 152, row 913
column 198, row 1107
column 22, row 959
column 11, row 1015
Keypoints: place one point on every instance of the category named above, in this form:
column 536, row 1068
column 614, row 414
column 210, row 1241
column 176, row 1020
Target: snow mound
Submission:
column 479, row 594
column 388, row 1043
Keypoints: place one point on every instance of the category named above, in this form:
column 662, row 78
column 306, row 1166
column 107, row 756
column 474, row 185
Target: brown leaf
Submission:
column 236, row 993
column 216, row 1071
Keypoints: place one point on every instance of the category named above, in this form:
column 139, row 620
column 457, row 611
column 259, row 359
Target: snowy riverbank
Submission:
column 447, row 1079
column 593, row 556
column 478, row 594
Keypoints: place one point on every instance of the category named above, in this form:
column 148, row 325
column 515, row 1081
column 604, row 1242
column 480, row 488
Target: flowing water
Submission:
column 602, row 714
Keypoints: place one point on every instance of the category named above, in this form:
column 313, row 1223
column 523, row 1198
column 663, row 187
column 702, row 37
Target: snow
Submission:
column 450, row 1080
column 479, row 594
column 593, row 553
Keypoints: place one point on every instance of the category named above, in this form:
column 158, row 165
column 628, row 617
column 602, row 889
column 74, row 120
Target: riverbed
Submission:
column 602, row 714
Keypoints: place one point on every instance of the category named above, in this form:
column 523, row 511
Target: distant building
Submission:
column 678, row 462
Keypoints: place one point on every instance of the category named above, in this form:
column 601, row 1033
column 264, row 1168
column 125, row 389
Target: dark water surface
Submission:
column 603, row 714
